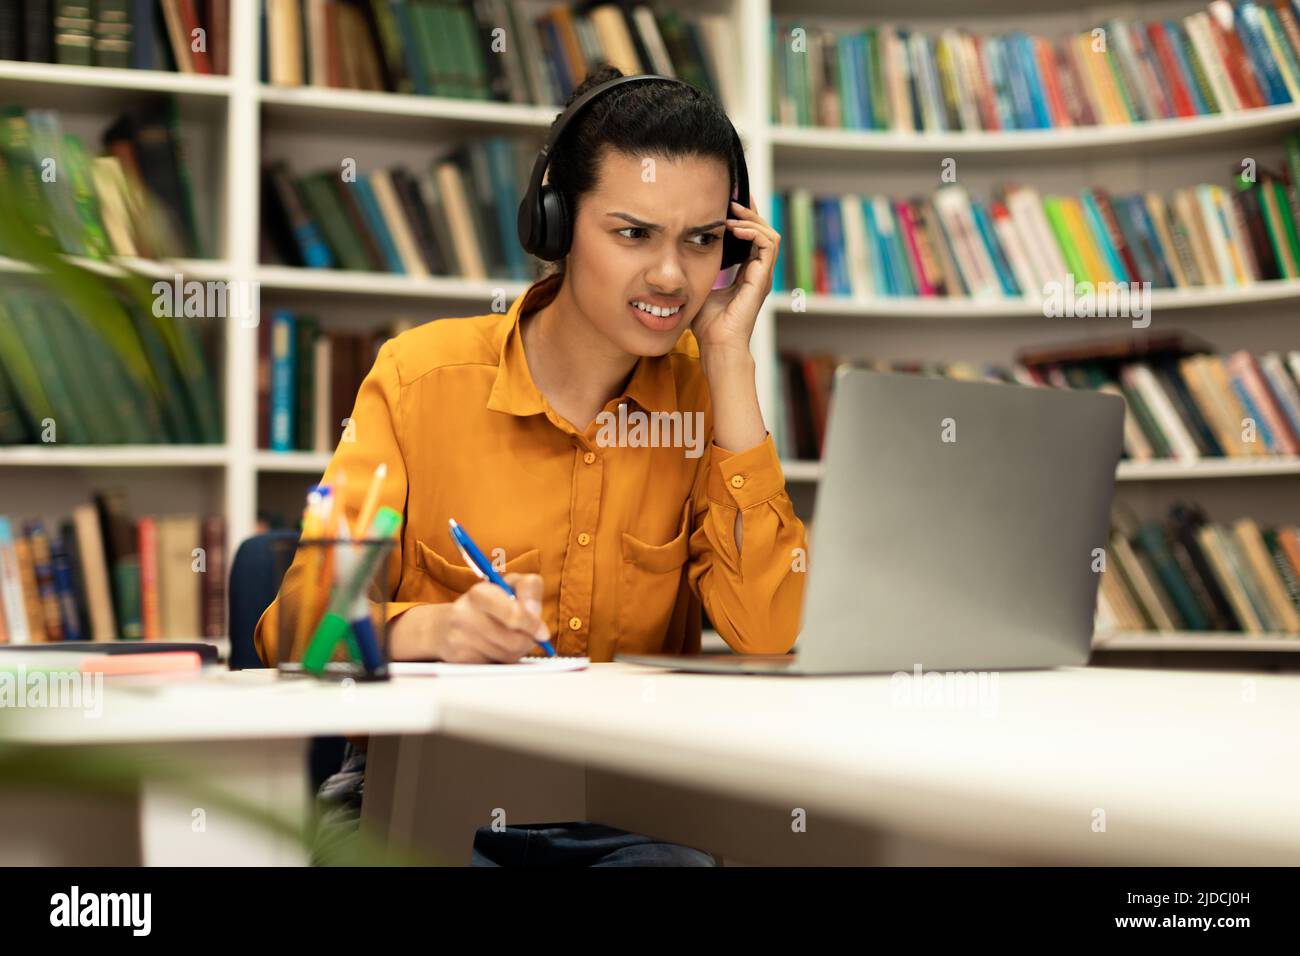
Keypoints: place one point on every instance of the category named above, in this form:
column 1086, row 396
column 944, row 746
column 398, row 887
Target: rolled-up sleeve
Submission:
column 754, row 595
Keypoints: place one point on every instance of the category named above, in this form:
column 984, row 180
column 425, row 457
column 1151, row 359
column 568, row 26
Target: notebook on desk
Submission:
column 524, row 667
column 955, row 528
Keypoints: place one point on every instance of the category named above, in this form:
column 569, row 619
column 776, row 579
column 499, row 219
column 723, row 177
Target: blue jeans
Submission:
column 578, row 844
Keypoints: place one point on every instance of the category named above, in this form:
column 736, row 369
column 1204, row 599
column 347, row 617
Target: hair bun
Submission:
column 600, row 73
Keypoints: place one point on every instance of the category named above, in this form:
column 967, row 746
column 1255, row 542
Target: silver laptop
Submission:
column 955, row 528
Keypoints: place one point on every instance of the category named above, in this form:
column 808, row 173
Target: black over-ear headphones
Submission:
column 545, row 223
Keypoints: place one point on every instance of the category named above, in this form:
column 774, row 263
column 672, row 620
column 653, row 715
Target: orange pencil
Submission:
column 362, row 527
column 313, row 568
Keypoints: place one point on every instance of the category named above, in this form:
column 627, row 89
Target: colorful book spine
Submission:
column 282, row 381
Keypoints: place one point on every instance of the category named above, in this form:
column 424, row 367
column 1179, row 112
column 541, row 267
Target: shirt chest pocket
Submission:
column 445, row 581
column 650, row 577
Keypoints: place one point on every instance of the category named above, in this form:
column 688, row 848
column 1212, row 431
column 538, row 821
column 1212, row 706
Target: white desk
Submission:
column 1187, row 767
column 242, row 733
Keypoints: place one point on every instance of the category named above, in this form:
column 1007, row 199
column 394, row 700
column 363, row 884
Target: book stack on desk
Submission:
column 103, row 575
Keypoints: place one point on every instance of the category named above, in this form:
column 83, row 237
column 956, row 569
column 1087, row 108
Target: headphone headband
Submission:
column 557, row 130
column 544, row 223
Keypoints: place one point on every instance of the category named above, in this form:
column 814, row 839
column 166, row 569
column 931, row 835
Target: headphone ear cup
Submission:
column 527, row 222
column 555, row 235
column 735, row 250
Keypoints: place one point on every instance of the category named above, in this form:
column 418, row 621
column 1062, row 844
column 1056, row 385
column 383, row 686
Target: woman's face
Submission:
column 651, row 233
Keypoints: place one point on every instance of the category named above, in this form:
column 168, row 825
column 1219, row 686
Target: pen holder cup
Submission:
column 333, row 608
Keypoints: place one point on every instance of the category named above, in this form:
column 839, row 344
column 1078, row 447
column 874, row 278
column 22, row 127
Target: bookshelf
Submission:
column 1155, row 155
column 242, row 122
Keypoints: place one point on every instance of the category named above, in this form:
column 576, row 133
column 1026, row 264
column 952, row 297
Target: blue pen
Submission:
column 483, row 567
column 363, row 628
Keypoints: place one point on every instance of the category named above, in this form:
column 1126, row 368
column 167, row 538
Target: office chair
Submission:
column 255, row 574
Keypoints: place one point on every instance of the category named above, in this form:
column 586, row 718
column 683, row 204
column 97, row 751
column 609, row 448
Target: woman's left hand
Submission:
column 726, row 320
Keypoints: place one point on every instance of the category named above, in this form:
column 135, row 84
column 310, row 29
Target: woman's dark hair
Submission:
column 638, row 119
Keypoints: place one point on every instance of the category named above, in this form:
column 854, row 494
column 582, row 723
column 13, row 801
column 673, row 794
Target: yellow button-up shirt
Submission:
column 628, row 536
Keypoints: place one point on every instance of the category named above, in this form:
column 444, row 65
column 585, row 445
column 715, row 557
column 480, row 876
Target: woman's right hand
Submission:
column 485, row 625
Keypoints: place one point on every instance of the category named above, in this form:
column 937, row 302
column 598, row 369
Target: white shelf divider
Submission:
column 1163, row 470
column 1209, row 468
column 1194, row 641
column 104, row 77
column 382, row 284
column 809, row 144
column 115, row 456
column 318, row 104
column 120, row 266
column 961, row 309
column 293, row 462
column 242, row 232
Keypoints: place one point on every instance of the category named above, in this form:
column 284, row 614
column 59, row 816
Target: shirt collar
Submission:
column 652, row 385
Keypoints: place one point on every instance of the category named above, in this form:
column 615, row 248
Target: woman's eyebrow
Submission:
column 650, row 225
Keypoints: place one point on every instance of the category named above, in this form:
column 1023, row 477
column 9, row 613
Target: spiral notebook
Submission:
column 522, row 667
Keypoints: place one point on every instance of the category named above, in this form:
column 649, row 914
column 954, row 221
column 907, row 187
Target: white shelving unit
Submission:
column 1155, row 156
column 251, row 123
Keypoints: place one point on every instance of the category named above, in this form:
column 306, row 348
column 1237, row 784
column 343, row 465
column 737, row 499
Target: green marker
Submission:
column 334, row 626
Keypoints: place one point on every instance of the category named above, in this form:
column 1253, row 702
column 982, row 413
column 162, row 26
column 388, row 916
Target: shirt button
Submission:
column 575, row 623
column 737, row 481
column 589, row 457
column 584, row 538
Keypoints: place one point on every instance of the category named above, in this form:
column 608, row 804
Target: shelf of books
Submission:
column 114, row 461
column 1020, row 190
column 1045, row 195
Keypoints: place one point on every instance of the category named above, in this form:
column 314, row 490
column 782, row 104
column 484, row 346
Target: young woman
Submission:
column 613, row 524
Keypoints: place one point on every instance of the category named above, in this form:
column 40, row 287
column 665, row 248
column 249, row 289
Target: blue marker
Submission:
column 483, row 567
